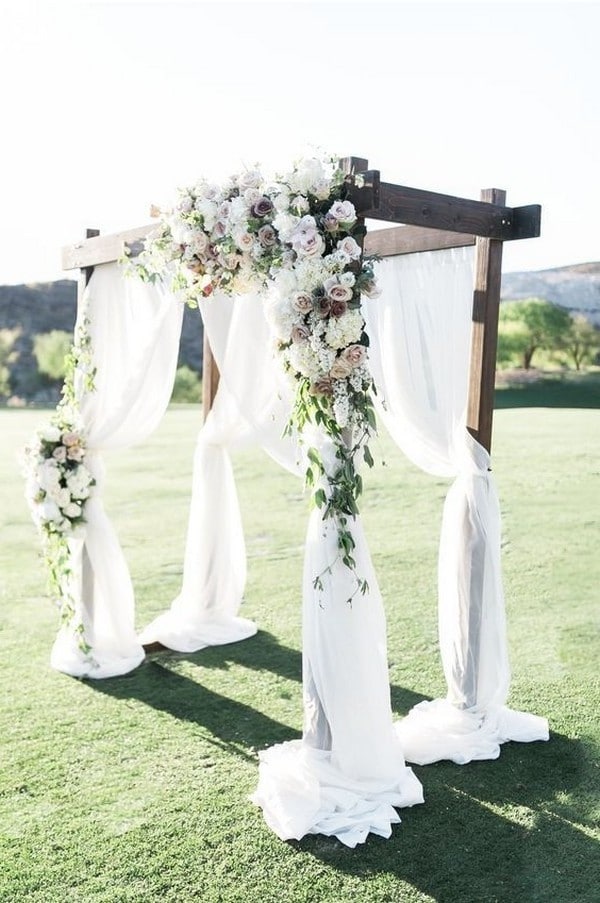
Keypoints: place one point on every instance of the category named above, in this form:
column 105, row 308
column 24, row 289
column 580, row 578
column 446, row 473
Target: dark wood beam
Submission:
column 415, row 207
column 484, row 332
column 413, row 239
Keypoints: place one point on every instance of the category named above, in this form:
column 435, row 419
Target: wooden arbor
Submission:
column 430, row 222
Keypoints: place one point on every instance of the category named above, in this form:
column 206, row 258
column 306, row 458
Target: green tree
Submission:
column 8, row 338
column 582, row 341
column 188, row 386
column 50, row 350
column 528, row 325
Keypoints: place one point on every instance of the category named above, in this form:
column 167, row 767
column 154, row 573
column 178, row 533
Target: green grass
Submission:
column 135, row 789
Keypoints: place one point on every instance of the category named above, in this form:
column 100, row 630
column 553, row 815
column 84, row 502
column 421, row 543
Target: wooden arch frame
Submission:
column 429, row 222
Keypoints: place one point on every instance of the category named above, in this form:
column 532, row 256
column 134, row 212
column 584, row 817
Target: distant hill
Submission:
column 576, row 288
column 43, row 306
column 40, row 307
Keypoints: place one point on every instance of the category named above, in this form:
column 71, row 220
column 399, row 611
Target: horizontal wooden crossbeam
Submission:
column 412, row 240
column 416, row 207
column 105, row 248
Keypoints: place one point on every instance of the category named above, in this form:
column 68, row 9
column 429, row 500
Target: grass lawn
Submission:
column 135, row 788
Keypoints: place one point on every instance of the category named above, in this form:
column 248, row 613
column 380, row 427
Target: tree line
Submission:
column 525, row 329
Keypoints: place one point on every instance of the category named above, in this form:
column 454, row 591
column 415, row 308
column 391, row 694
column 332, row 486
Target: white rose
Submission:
column 50, row 433
column 281, row 202
column 208, row 211
column 344, row 212
column 321, row 188
column 72, row 510
column 300, row 204
column 285, row 223
column 249, row 179
column 60, row 453
column 243, row 240
column 49, row 511
column 350, row 247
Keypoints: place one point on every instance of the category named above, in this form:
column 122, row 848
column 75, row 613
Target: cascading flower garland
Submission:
column 58, row 482
column 298, row 241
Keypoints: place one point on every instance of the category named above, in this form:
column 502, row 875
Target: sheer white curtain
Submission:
column 420, row 348
column 134, row 329
column 347, row 774
column 250, row 408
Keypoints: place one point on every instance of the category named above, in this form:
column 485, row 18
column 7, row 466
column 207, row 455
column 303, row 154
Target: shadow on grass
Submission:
column 236, row 727
column 554, row 392
column 457, row 849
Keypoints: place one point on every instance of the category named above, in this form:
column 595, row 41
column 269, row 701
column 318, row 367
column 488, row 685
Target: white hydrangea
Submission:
column 345, row 330
column 304, row 360
column 341, row 405
column 281, row 317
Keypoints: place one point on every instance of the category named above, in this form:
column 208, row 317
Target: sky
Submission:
column 108, row 107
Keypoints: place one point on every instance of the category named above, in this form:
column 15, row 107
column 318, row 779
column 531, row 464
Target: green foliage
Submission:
column 528, row 325
column 8, row 355
column 51, row 350
column 581, row 342
column 135, row 789
column 188, row 386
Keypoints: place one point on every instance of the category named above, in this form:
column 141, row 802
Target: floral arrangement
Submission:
column 58, row 482
column 297, row 240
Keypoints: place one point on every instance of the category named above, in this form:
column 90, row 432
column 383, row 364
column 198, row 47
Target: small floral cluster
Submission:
column 297, row 240
column 58, row 482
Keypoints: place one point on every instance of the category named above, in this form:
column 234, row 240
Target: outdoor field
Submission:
column 136, row 788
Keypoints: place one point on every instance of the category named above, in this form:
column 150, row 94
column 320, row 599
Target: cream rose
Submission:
column 341, row 369
column 354, row 355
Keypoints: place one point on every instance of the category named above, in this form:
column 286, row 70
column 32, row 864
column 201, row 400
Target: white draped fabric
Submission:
column 134, row 329
column 419, row 355
column 347, row 775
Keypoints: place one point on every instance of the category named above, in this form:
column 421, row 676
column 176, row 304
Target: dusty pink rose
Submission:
column 341, row 368
column 339, row 292
column 219, row 229
column 243, row 240
column 75, row 453
column 267, row 236
column 322, row 386
column 354, row 354
column 350, row 247
column 302, row 302
column 70, row 438
column 300, row 334
column 60, row 453
column 338, row 308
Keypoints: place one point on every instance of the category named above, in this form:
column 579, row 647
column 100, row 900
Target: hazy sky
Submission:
column 108, row 106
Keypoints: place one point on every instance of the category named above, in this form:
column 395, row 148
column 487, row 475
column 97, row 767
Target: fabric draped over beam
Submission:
column 348, row 773
column 134, row 329
column 420, row 332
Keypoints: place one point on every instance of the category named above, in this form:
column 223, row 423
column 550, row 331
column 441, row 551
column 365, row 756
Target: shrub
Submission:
column 188, row 386
column 8, row 338
column 50, row 350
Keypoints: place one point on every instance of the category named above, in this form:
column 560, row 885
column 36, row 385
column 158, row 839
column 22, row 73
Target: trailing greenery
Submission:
column 134, row 790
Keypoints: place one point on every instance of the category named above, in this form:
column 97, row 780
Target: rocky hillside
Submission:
column 575, row 287
column 41, row 307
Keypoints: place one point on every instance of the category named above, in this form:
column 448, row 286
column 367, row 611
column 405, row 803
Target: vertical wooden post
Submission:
column 210, row 377
column 484, row 335
column 480, row 410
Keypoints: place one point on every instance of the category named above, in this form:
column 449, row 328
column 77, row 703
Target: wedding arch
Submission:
column 432, row 354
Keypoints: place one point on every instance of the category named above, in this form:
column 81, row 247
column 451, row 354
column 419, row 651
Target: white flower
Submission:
column 308, row 174
column 344, row 212
column 243, row 239
column 208, row 210
column 238, row 211
column 285, row 223
column 306, row 239
column 304, row 360
column 345, row 330
column 350, row 247
column 300, row 204
column 49, row 511
column 251, row 178
column 60, row 453
column 50, row 433
column 72, row 510
column 347, row 279
column 322, row 188
column 48, row 475
column 281, row 202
